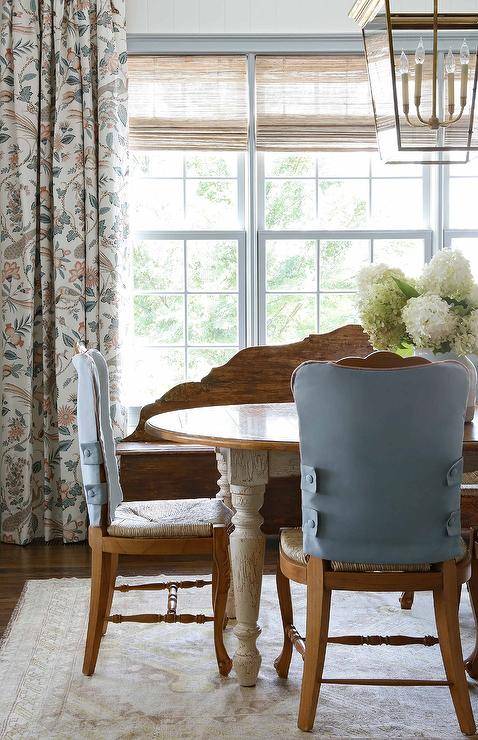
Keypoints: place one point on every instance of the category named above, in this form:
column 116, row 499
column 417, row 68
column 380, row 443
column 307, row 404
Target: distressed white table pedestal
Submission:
column 247, row 472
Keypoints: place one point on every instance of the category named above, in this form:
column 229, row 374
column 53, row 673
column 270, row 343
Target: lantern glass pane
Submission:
column 393, row 85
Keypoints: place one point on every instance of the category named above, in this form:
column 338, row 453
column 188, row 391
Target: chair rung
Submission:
column 296, row 639
column 394, row 640
column 155, row 618
column 165, row 586
column 385, row 682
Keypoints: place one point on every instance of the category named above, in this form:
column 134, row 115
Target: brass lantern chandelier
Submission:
column 422, row 68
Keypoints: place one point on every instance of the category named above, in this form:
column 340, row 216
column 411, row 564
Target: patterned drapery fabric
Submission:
column 63, row 227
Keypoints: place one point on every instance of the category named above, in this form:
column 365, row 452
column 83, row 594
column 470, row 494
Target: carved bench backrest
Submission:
column 256, row 374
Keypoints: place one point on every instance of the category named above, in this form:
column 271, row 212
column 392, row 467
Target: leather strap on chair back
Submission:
column 381, row 457
column 95, row 434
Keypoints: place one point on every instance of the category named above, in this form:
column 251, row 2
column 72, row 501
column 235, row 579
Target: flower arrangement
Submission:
column 438, row 311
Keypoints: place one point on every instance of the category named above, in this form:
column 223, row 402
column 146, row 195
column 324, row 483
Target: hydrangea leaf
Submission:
column 408, row 290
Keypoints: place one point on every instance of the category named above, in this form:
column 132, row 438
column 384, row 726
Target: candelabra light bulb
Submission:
column 464, row 53
column 450, row 62
column 404, row 65
column 420, row 52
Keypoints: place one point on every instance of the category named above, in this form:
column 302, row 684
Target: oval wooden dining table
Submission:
column 253, row 443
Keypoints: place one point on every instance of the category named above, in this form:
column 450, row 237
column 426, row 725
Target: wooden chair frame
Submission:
column 444, row 580
column 105, row 552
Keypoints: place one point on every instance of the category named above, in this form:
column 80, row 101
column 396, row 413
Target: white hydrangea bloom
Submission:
column 466, row 340
column 380, row 302
column 369, row 276
column 447, row 275
column 430, row 322
column 472, row 296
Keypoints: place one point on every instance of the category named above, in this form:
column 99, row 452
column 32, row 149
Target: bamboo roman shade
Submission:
column 317, row 103
column 188, row 102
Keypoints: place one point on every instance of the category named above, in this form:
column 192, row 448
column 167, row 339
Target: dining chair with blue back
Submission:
column 381, row 465
column 163, row 528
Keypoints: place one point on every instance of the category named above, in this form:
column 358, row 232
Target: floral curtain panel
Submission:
column 63, row 167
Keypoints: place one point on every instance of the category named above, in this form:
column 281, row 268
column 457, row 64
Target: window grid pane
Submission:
column 354, row 193
column 310, row 284
column 180, row 333
column 184, row 191
column 468, row 246
column 186, row 291
column 351, row 191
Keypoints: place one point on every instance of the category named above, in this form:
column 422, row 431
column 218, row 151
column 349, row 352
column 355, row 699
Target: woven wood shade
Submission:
column 315, row 103
column 188, row 102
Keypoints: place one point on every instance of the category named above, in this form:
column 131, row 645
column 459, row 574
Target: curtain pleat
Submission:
column 188, row 102
column 63, row 162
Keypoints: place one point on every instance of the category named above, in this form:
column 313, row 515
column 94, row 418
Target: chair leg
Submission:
column 317, row 629
column 213, row 592
column 471, row 663
column 221, row 580
column 282, row 662
column 100, row 587
column 446, row 615
column 113, row 571
column 406, row 599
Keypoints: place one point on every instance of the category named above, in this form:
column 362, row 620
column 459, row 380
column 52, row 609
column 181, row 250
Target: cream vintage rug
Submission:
column 160, row 681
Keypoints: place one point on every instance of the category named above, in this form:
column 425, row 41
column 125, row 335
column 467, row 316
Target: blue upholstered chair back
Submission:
column 381, row 461
column 99, row 468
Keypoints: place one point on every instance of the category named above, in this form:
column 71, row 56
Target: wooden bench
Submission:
column 254, row 375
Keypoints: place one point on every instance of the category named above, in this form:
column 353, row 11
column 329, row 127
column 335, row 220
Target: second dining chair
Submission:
column 381, row 464
column 117, row 527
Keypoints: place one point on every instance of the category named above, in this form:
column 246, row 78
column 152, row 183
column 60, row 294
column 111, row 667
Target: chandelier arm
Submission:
column 445, row 124
column 414, row 124
column 422, row 121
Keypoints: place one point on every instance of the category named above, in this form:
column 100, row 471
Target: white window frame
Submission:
column 238, row 234
column 263, row 234
column 448, row 234
column 185, row 236
column 326, row 235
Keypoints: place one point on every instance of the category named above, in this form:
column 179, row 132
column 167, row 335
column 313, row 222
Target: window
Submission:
column 188, row 119
column 344, row 211
column 250, row 222
column 187, row 217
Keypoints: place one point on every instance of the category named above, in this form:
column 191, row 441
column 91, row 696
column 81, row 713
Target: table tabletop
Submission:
column 266, row 426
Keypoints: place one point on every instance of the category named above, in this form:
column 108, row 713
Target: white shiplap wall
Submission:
column 239, row 16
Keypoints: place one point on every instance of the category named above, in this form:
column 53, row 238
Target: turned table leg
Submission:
column 247, row 473
column 471, row 663
column 224, row 494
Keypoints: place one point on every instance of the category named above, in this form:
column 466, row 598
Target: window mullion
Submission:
column 255, row 215
column 185, row 273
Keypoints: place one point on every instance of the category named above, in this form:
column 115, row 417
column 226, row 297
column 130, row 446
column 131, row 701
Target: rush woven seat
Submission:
column 291, row 545
column 469, row 483
column 181, row 518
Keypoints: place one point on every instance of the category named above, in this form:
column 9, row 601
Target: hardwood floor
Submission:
column 36, row 561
